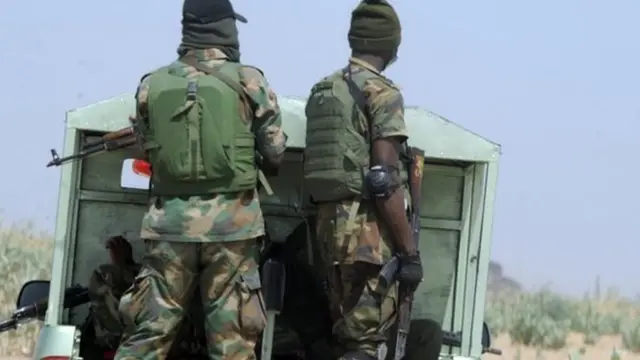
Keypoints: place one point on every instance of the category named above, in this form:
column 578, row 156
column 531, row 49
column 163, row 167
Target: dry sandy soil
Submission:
column 600, row 351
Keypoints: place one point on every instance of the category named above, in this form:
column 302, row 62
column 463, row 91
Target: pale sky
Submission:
column 555, row 82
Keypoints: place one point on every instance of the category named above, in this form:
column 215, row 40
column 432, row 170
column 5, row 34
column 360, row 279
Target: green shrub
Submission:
column 587, row 320
column 25, row 254
column 544, row 319
column 615, row 355
column 631, row 335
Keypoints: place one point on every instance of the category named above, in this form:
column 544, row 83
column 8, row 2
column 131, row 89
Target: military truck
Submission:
column 96, row 199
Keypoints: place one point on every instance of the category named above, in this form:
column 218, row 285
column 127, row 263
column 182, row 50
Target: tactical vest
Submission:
column 196, row 140
column 338, row 143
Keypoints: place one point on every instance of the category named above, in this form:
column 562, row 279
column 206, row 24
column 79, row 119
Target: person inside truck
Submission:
column 102, row 329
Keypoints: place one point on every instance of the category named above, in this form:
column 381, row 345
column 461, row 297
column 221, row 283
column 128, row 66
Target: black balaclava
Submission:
column 210, row 24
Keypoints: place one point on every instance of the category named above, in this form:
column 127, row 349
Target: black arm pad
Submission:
column 379, row 182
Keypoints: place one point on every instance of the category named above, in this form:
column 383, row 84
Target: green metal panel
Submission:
column 442, row 193
column 125, row 197
column 466, row 305
column 55, row 341
column 65, row 220
column 451, row 246
column 100, row 209
column 440, row 247
column 96, row 222
column 486, row 182
column 439, row 137
column 439, row 251
column 462, row 295
column 103, row 172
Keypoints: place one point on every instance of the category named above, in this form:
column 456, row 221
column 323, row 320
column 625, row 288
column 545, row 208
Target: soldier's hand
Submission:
column 410, row 272
column 120, row 251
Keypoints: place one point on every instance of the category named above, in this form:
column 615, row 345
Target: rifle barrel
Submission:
column 8, row 325
column 124, row 140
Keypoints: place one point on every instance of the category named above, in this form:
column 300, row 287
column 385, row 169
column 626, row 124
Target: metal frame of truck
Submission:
column 453, row 155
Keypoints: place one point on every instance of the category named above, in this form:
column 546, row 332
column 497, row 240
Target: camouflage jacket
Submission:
column 217, row 218
column 367, row 240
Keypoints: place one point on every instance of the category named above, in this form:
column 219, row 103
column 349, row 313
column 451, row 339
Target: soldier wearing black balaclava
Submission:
column 209, row 124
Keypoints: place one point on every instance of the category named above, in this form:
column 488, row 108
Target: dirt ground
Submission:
column 602, row 350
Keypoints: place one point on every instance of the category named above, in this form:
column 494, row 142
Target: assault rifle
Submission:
column 115, row 140
column 73, row 296
column 390, row 269
column 130, row 136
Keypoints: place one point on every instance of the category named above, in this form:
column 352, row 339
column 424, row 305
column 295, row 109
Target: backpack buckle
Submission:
column 192, row 90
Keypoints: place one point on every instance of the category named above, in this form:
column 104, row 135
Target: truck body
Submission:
column 97, row 200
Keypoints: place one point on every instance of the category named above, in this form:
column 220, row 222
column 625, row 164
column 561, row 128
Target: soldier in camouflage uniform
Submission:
column 356, row 141
column 107, row 284
column 203, row 118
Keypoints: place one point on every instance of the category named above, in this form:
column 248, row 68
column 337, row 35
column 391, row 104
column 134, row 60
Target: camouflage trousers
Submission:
column 229, row 282
column 363, row 309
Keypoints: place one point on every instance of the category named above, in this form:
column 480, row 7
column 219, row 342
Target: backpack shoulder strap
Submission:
column 359, row 98
column 254, row 68
column 191, row 61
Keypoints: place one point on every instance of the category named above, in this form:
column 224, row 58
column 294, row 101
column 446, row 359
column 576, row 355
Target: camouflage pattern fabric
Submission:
column 107, row 284
column 385, row 100
column 229, row 281
column 363, row 309
column 219, row 218
column 368, row 241
column 205, row 241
